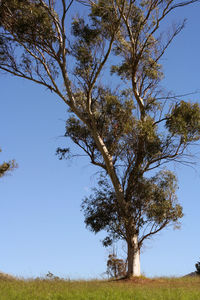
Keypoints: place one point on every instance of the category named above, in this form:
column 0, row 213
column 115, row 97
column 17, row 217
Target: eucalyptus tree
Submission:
column 125, row 124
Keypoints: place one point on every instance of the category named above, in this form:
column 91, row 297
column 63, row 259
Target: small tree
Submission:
column 127, row 127
column 116, row 268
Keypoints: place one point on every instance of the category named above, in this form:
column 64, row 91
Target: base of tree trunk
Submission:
column 133, row 258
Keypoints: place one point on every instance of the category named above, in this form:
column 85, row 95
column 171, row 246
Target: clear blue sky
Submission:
column 41, row 226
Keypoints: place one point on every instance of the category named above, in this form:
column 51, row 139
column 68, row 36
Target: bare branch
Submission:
column 153, row 231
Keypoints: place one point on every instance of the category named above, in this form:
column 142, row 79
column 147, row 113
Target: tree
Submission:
column 129, row 128
column 6, row 167
column 116, row 267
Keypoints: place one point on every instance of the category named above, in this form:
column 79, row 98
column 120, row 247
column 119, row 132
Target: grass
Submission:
column 136, row 289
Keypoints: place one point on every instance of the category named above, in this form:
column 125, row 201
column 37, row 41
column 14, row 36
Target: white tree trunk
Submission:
column 136, row 263
column 134, row 258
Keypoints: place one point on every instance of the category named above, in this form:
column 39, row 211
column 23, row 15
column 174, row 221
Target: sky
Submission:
column 41, row 226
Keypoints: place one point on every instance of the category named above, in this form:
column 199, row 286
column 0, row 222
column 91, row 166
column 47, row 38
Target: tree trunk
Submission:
column 133, row 258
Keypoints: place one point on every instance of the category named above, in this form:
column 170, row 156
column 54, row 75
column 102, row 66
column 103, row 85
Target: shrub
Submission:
column 116, row 268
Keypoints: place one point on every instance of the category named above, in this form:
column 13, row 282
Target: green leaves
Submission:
column 102, row 212
column 113, row 120
column 152, row 202
column 184, row 121
column 84, row 32
column 99, row 208
column 83, row 49
column 114, row 117
column 102, row 13
column 27, row 20
column 163, row 206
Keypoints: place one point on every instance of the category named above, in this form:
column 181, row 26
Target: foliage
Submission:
column 153, row 204
column 6, row 167
column 116, row 268
column 34, row 26
column 184, row 121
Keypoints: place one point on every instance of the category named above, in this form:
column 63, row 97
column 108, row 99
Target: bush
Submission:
column 116, row 268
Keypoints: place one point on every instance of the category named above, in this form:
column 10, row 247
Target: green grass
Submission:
column 141, row 289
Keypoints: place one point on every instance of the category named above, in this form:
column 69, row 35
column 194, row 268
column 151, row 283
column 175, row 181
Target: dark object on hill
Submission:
column 51, row 276
column 197, row 265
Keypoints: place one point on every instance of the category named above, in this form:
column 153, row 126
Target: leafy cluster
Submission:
column 151, row 203
column 5, row 167
column 116, row 267
column 102, row 212
column 84, row 47
column 184, row 121
column 28, row 39
column 113, row 119
column 27, row 21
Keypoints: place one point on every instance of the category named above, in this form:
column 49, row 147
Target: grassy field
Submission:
column 136, row 289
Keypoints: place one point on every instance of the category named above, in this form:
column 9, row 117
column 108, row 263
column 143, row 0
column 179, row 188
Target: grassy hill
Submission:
column 135, row 289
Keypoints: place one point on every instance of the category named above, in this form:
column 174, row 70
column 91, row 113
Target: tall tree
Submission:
column 127, row 126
